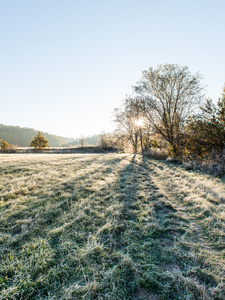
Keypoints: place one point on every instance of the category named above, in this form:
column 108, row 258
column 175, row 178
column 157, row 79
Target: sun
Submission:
column 139, row 122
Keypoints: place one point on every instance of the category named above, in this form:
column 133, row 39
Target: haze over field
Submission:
column 65, row 65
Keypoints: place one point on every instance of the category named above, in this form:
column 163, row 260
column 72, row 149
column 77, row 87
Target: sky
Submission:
column 65, row 65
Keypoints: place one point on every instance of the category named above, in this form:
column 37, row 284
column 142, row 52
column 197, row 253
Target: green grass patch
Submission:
column 109, row 226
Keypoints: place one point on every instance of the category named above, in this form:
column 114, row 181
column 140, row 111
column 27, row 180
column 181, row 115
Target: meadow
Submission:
column 109, row 226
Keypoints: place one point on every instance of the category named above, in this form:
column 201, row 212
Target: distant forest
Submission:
column 22, row 137
column 92, row 140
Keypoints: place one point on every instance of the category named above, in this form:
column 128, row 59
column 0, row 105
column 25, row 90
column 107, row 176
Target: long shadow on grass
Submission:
column 35, row 208
column 142, row 239
column 109, row 243
column 137, row 233
column 46, row 247
column 192, row 271
column 203, row 204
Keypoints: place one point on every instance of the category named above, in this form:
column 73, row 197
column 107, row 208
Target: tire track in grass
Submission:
column 198, row 238
column 172, row 187
column 140, row 235
column 193, row 199
column 176, row 265
column 116, row 230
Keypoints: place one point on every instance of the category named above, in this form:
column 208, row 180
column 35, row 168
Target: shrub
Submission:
column 4, row 145
column 112, row 142
column 156, row 153
column 212, row 163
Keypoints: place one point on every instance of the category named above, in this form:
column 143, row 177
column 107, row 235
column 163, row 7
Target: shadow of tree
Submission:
column 110, row 234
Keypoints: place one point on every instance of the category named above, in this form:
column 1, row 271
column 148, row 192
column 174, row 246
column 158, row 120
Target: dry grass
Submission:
column 156, row 153
column 115, row 226
column 212, row 163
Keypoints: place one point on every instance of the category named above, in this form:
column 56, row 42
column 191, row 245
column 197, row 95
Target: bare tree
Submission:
column 82, row 142
column 170, row 94
column 131, row 120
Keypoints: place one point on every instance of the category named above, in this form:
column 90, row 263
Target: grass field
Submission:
column 109, row 226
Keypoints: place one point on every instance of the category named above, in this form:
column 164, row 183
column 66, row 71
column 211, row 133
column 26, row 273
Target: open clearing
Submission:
column 109, row 226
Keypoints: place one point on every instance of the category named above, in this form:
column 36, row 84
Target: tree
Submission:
column 4, row 145
column 131, row 121
column 39, row 142
column 221, row 108
column 206, row 130
column 170, row 93
column 111, row 142
column 82, row 142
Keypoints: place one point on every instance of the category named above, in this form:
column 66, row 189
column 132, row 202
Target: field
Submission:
column 109, row 226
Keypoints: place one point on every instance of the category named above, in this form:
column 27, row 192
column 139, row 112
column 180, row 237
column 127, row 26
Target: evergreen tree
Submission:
column 207, row 130
column 39, row 142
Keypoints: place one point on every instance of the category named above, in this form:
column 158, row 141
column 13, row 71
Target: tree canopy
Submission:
column 170, row 93
column 164, row 98
column 206, row 130
column 39, row 142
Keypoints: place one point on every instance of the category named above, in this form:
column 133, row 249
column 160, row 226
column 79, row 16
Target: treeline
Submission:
column 92, row 140
column 168, row 111
column 23, row 136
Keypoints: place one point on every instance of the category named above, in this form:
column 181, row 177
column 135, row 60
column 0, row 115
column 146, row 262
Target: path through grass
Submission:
column 109, row 226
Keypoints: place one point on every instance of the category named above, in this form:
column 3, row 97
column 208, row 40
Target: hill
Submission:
column 22, row 136
column 115, row 226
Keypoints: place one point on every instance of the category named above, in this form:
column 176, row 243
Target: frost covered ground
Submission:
column 109, row 226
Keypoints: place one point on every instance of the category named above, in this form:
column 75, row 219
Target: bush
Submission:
column 156, row 153
column 212, row 163
column 112, row 142
column 4, row 145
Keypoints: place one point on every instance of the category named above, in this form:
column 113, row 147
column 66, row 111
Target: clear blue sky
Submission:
column 66, row 64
